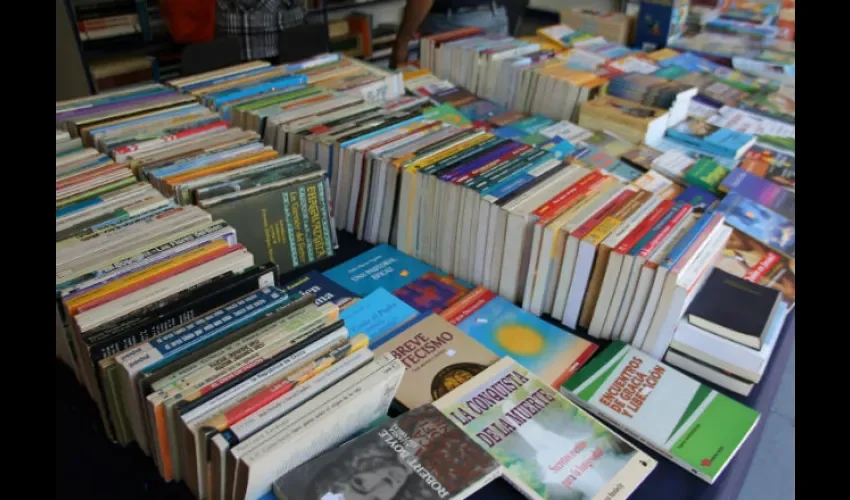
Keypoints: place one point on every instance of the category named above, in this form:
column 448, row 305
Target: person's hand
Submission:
column 399, row 54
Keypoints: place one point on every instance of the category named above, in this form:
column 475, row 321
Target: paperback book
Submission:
column 691, row 424
column 548, row 448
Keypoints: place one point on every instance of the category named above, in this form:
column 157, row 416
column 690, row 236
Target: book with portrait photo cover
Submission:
column 419, row 455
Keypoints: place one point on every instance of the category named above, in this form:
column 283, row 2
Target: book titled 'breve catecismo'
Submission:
column 548, row 447
column 691, row 424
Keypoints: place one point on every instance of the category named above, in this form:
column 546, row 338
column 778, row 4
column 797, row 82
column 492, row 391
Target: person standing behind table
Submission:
column 428, row 17
column 257, row 23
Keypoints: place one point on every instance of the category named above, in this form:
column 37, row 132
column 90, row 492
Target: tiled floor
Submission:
column 771, row 475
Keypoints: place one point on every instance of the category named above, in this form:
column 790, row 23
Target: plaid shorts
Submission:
column 257, row 23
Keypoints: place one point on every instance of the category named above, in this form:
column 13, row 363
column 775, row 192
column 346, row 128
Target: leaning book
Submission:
column 548, row 447
column 419, row 455
column 689, row 423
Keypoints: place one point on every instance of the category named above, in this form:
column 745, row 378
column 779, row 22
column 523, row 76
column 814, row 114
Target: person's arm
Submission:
column 414, row 13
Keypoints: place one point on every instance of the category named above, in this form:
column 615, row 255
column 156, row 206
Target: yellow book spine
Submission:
column 75, row 303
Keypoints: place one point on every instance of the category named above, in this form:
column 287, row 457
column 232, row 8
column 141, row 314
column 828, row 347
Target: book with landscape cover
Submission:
column 290, row 226
column 734, row 308
column 419, row 455
column 552, row 353
column 548, row 447
column 438, row 357
column 691, row 424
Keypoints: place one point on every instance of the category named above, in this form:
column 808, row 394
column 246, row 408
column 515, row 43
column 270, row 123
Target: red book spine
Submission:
column 665, row 231
column 117, row 294
column 644, row 226
column 552, row 208
column 612, row 206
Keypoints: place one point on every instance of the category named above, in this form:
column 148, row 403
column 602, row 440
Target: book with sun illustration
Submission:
column 548, row 447
column 687, row 422
column 381, row 267
column 550, row 352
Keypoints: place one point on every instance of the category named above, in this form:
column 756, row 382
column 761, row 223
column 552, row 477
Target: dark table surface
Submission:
column 89, row 466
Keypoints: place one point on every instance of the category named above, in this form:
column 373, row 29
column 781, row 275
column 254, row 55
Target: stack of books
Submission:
column 179, row 206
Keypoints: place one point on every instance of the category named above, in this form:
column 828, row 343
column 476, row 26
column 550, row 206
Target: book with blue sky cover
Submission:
column 550, row 352
column 547, row 446
column 689, row 423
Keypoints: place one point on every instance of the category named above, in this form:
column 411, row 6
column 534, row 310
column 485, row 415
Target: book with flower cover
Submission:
column 548, row 447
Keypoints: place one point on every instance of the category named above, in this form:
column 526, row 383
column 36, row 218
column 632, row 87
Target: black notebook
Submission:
column 734, row 308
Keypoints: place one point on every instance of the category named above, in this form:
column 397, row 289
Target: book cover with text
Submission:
column 549, row 448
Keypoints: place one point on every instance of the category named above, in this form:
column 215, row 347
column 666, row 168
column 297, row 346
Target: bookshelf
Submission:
column 124, row 51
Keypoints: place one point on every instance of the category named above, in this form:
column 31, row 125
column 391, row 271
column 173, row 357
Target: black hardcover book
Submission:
column 734, row 308
column 290, row 226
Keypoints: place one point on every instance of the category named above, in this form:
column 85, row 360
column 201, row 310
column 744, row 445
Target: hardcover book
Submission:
column 548, row 448
column 438, row 357
column 550, row 352
column 691, row 424
column 734, row 308
column 419, row 455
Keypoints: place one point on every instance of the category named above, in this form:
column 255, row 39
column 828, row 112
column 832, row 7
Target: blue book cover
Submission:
column 699, row 198
column 681, row 246
column 376, row 315
column 325, row 289
column 381, row 267
column 759, row 222
column 761, row 190
column 480, row 110
column 711, row 138
column 659, row 23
